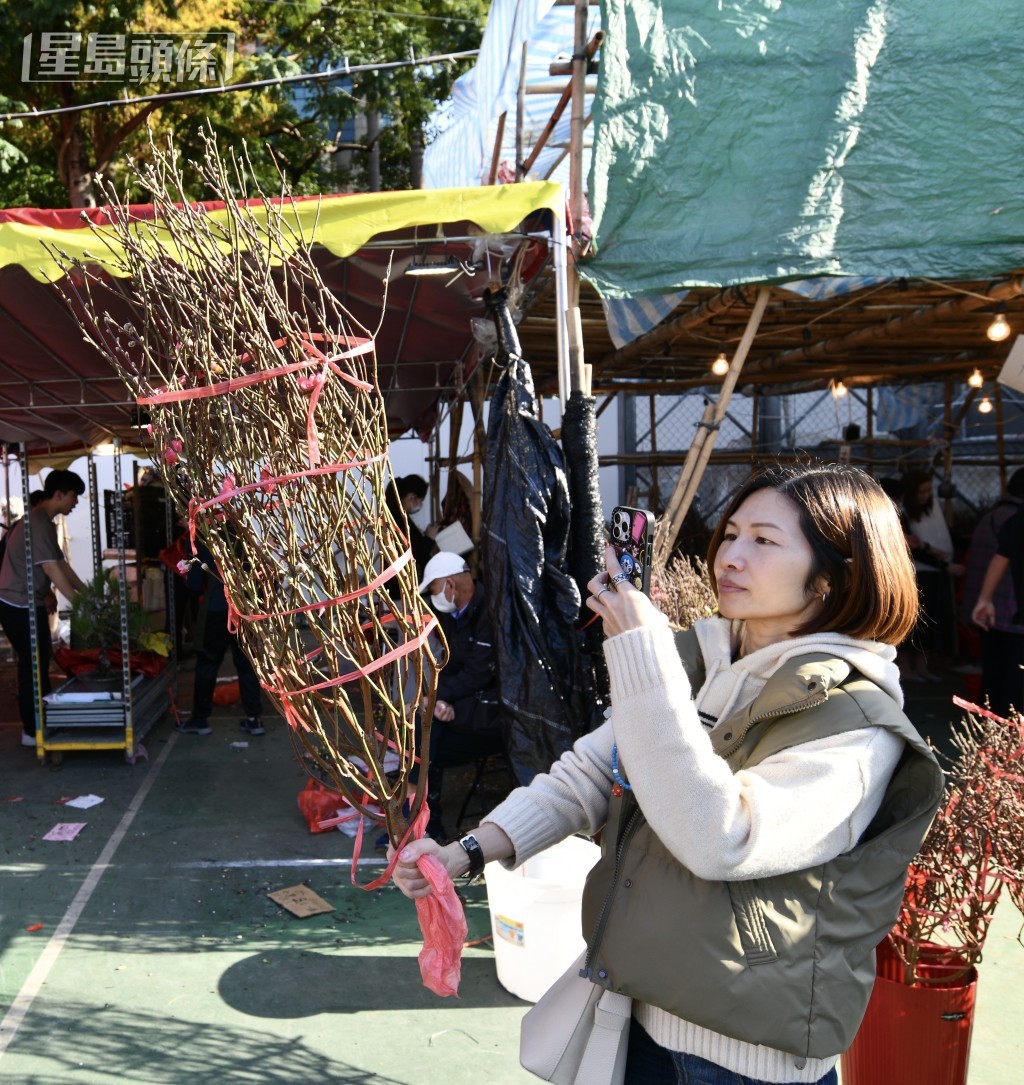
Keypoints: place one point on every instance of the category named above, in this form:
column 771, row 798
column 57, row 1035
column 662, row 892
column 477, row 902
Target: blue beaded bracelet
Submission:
column 615, row 770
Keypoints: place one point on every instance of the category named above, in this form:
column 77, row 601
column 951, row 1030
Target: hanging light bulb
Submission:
column 720, row 366
column 998, row 330
column 976, row 380
column 838, row 389
column 985, row 406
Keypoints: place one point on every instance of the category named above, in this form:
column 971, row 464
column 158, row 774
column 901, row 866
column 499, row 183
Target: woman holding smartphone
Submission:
column 758, row 790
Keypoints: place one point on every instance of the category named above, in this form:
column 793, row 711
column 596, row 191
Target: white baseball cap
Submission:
column 442, row 564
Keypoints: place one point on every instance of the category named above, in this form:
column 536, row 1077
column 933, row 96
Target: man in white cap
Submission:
column 467, row 712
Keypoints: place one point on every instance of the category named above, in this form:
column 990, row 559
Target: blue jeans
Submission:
column 650, row 1064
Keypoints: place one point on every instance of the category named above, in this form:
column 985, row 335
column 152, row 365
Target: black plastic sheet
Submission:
column 586, row 533
column 534, row 601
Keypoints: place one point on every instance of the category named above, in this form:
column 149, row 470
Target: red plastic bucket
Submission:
column 914, row 1035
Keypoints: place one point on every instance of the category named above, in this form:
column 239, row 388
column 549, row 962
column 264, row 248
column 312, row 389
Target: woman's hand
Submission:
column 408, row 876
column 621, row 606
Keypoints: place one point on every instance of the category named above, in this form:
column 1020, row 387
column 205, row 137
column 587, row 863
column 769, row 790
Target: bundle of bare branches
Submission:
column 682, row 590
column 270, row 431
column 973, row 850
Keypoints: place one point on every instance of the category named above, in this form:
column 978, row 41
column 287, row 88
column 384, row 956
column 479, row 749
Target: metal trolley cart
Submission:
column 92, row 713
column 102, row 710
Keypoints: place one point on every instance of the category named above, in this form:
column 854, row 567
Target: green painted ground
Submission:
column 179, row 970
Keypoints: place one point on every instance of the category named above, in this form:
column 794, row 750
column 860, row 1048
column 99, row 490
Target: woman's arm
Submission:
column 800, row 807
column 571, row 798
column 407, row 876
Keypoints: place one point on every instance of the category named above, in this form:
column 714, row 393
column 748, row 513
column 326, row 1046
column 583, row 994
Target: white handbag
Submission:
column 577, row 1034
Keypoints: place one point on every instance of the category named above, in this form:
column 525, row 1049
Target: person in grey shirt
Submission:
column 60, row 495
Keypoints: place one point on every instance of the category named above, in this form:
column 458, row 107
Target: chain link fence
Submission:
column 887, row 431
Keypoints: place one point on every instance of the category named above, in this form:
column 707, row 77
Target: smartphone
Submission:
column 633, row 541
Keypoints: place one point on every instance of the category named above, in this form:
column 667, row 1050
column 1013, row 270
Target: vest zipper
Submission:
column 631, row 826
column 800, row 706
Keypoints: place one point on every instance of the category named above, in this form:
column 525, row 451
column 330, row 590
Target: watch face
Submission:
column 471, row 846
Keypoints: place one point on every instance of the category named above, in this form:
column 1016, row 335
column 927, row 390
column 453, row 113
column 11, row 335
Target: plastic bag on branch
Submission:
column 270, row 430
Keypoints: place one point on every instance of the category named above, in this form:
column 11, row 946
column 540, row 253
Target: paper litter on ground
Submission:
column 65, row 830
column 83, row 802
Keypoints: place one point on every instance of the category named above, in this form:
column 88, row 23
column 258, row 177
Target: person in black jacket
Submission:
column 405, row 498
column 467, row 716
column 204, row 578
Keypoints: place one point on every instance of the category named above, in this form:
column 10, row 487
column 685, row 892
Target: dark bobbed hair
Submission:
column 412, row 484
column 61, row 482
column 859, row 548
column 1015, row 485
column 912, row 482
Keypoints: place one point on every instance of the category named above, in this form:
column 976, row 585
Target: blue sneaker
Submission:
column 253, row 725
column 194, row 727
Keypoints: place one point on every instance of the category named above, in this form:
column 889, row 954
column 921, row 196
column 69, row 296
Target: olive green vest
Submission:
column 785, row 961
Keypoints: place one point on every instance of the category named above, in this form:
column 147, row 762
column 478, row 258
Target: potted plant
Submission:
column 96, row 627
column 917, row 1029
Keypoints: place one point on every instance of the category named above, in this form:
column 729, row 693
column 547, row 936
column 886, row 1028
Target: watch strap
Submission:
column 471, row 846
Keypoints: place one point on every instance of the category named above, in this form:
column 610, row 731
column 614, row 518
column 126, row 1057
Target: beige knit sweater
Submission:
column 801, row 807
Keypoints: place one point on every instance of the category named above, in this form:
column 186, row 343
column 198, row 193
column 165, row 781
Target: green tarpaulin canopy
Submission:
column 765, row 140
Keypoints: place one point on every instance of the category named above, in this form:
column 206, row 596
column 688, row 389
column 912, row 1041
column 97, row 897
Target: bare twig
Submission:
column 269, row 429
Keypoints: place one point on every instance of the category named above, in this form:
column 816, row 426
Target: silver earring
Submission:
column 824, row 597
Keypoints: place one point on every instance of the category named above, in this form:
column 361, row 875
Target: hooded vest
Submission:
column 786, row 961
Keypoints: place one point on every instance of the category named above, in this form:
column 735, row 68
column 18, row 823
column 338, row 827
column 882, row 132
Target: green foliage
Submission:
column 315, row 130
column 96, row 617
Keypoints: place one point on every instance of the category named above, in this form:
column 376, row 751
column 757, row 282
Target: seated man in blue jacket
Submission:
column 467, row 713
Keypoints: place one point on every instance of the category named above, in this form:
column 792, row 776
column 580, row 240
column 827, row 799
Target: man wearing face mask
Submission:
column 467, row 717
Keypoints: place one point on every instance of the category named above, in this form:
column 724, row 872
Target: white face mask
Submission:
column 442, row 604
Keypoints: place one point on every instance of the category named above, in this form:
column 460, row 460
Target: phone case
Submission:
column 633, row 538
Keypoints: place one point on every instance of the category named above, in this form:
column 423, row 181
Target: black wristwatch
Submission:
column 471, row 846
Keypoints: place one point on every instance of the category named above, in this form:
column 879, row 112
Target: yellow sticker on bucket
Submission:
column 510, row 929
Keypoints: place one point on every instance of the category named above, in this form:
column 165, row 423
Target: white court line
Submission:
column 212, row 864
column 48, row 958
column 208, row 864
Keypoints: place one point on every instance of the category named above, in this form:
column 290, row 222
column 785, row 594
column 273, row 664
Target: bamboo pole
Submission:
column 947, row 466
column 870, row 431
column 520, row 112
column 725, row 299
column 577, row 379
column 592, row 46
column 894, row 326
column 496, row 153
column 476, row 403
column 700, row 451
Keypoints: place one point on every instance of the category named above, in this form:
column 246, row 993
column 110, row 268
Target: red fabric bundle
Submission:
column 443, row 923
column 319, row 803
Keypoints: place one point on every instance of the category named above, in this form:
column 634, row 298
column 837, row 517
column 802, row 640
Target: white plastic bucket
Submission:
column 535, row 915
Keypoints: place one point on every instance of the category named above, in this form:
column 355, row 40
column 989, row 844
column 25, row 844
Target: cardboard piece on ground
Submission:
column 300, row 900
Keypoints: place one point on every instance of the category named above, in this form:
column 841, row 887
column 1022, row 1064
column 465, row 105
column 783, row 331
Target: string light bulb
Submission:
column 839, row 389
column 976, row 380
column 720, row 366
column 985, row 406
column 998, row 330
